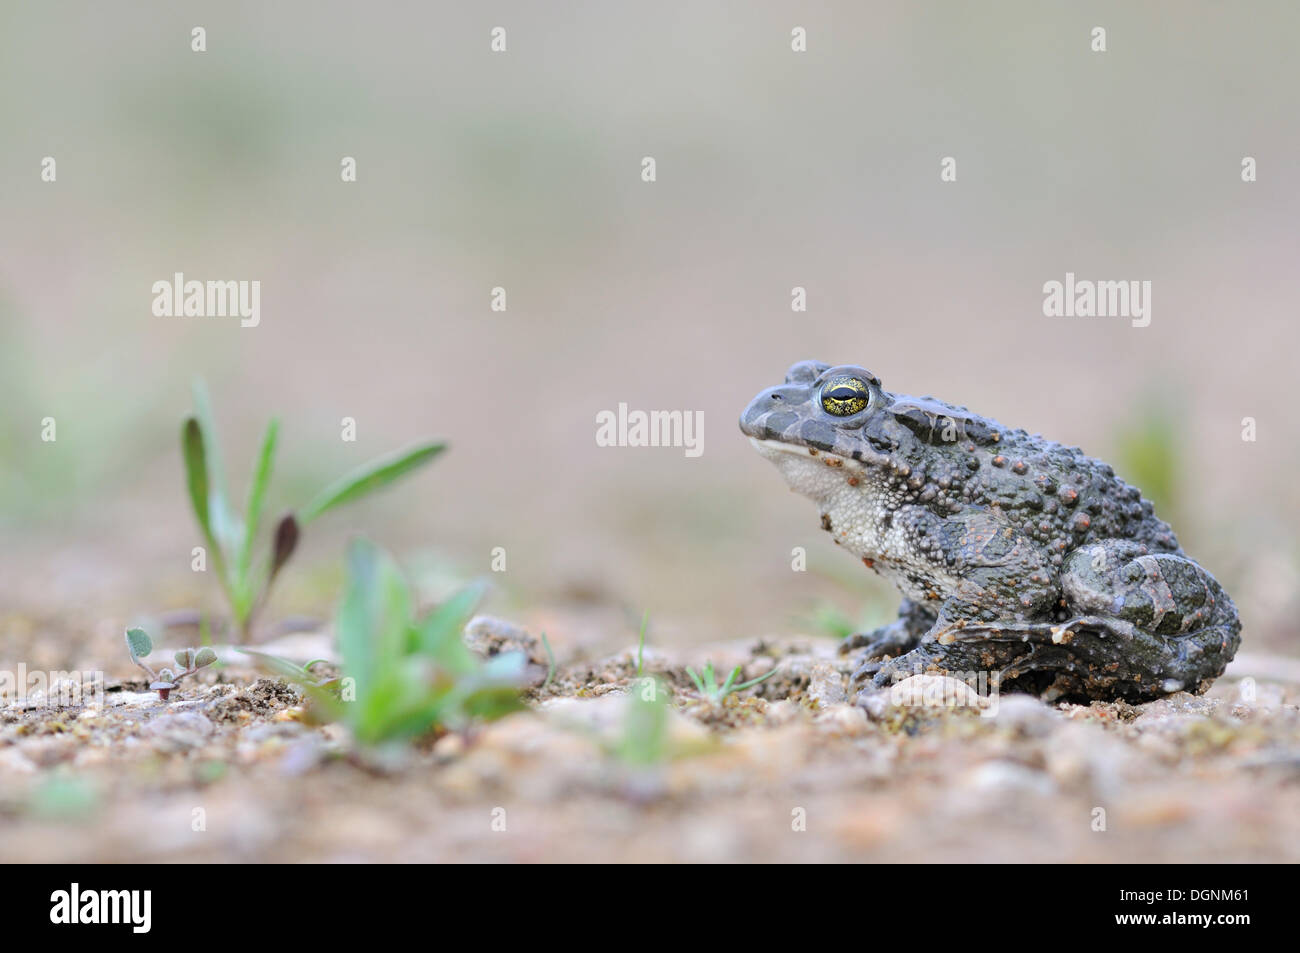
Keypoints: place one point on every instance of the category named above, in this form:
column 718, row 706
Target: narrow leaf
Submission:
column 279, row 666
column 696, row 680
column 726, row 686
column 194, row 451
column 550, row 662
column 755, row 681
column 369, row 477
column 257, row 495
column 439, row 634
column 196, row 476
column 640, row 650
column 221, row 519
column 372, row 623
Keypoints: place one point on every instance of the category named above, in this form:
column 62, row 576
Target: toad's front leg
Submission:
column 889, row 641
column 985, row 570
column 994, row 651
column 1002, row 654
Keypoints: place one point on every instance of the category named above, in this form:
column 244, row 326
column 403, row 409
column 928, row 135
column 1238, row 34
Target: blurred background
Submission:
column 522, row 170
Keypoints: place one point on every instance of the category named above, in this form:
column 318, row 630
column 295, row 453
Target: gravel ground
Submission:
column 233, row 769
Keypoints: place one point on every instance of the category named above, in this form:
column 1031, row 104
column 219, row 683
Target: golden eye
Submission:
column 844, row 396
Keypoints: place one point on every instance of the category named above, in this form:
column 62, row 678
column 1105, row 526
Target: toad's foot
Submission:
column 984, row 663
column 889, row 641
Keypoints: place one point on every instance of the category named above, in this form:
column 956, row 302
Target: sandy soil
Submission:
column 231, row 769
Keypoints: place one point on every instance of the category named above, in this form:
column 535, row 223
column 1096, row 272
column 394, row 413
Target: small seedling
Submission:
column 708, row 688
column 644, row 741
column 640, row 649
column 164, row 680
column 402, row 675
column 230, row 537
column 646, row 745
column 829, row 620
column 550, row 662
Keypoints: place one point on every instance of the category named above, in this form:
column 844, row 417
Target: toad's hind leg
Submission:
column 1084, row 657
column 1142, row 625
column 1180, row 627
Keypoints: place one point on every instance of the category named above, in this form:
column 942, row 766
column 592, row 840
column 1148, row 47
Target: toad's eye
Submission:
column 844, row 396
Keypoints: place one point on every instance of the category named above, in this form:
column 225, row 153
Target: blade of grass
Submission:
column 640, row 650
column 279, row 666
column 726, row 686
column 438, row 635
column 369, row 477
column 372, row 626
column 194, row 450
column 196, row 475
column 220, row 517
column 754, row 681
column 257, row 496
column 550, row 662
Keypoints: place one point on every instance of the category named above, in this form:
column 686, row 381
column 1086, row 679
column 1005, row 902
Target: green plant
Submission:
column 292, row 671
column 825, row 617
column 64, row 796
column 164, row 680
column 550, row 662
column 1149, row 454
column 640, row 649
column 644, row 742
column 404, row 675
column 708, row 688
column 230, row 537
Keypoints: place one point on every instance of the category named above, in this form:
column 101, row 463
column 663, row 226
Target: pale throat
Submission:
column 855, row 512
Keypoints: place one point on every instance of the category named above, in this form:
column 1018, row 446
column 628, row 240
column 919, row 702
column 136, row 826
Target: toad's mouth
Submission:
column 774, row 449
